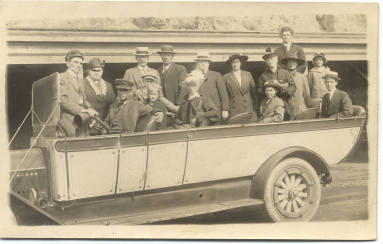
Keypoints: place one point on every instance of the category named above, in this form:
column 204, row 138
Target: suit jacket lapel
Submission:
column 171, row 67
column 285, row 50
column 244, row 82
column 72, row 81
column 235, row 81
column 333, row 100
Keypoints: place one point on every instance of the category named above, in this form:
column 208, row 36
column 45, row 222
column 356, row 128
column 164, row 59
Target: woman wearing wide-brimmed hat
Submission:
column 240, row 87
column 272, row 107
column 315, row 77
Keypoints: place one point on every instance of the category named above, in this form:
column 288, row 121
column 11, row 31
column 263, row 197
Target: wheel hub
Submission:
column 292, row 193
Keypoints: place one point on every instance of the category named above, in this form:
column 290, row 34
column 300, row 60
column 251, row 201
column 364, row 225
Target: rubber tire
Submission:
column 274, row 214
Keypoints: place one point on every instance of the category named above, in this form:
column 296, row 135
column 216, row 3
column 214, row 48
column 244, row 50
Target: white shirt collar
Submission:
column 331, row 93
column 73, row 74
column 97, row 88
column 166, row 66
column 288, row 45
column 143, row 69
column 194, row 96
column 237, row 75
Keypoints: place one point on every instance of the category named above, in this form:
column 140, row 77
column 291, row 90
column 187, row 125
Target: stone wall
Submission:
column 347, row 23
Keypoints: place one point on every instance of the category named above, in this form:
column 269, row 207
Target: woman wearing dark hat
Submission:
column 272, row 107
column 315, row 77
column 300, row 100
column 99, row 93
column 240, row 87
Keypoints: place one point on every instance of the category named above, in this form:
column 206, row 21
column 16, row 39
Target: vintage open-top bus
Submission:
column 151, row 176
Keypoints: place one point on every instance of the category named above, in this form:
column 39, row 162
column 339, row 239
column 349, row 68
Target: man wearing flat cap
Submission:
column 125, row 112
column 73, row 98
column 289, row 49
column 171, row 75
column 99, row 93
column 213, row 87
column 135, row 74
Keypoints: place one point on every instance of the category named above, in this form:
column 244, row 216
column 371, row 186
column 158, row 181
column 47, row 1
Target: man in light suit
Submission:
column 135, row 74
column 288, row 49
column 73, row 98
column 171, row 75
column 213, row 87
column 336, row 103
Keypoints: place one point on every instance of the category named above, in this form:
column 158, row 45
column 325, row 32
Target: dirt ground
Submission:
column 344, row 199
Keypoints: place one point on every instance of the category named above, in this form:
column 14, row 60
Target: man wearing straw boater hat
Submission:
column 135, row 74
column 336, row 103
column 171, row 75
column 73, row 99
column 213, row 87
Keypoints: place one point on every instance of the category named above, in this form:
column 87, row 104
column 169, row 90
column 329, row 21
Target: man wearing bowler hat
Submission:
column 171, row 75
column 135, row 74
column 213, row 87
column 99, row 93
column 336, row 103
column 125, row 112
column 73, row 98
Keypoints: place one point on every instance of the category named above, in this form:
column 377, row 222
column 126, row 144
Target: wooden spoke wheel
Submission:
column 292, row 191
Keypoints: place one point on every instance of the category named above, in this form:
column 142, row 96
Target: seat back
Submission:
column 45, row 98
column 358, row 110
column 241, row 118
column 310, row 113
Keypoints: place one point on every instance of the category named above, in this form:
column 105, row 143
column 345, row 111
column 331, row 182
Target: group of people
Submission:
column 172, row 97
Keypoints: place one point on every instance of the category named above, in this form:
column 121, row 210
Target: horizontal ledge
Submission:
column 176, row 37
column 58, row 59
column 171, row 31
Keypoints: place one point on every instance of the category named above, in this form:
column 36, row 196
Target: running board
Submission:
column 152, row 206
column 176, row 213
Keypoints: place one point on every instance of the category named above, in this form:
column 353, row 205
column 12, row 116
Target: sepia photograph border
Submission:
column 332, row 230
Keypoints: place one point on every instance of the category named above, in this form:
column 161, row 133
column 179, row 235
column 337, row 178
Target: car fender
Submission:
column 315, row 160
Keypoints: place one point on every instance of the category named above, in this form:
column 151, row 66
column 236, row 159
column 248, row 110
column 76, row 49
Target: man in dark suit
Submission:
column 171, row 75
column 73, row 98
column 213, row 87
column 124, row 113
column 288, row 49
column 336, row 103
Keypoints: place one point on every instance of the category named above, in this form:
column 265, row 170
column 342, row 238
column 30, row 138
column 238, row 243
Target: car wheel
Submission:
column 292, row 191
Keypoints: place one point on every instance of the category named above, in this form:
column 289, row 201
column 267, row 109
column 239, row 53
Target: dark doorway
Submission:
column 21, row 76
